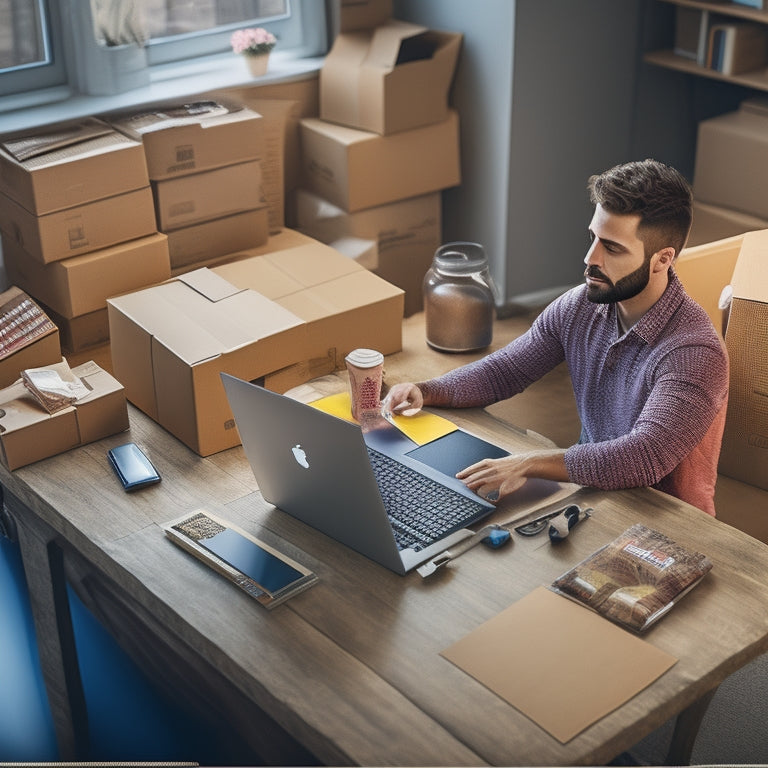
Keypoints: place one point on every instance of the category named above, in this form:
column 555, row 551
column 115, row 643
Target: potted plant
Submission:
column 255, row 44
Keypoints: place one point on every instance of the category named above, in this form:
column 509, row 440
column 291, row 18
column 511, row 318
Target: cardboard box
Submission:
column 200, row 197
column 82, row 284
column 28, row 337
column 731, row 167
column 406, row 234
column 170, row 342
column 363, row 14
column 188, row 138
column 744, row 454
column 84, row 228
column 339, row 163
column 394, row 77
column 71, row 165
column 213, row 241
column 713, row 222
column 82, row 332
column 344, row 305
column 29, row 433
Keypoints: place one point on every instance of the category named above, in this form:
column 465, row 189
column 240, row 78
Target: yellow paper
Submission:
column 422, row 428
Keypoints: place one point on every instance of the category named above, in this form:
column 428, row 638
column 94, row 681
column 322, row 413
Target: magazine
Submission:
column 635, row 579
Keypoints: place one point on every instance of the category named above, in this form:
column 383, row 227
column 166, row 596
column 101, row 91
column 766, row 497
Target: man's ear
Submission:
column 664, row 259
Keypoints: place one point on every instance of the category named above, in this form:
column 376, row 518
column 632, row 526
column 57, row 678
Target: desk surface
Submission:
column 350, row 670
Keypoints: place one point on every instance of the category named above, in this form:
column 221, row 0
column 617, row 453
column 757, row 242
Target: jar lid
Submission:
column 460, row 258
column 364, row 358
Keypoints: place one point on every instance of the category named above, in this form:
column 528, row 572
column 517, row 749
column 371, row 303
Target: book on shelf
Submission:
column 736, row 47
column 635, row 579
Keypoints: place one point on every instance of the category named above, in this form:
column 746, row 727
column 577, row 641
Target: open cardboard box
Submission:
column 742, row 263
column 393, row 77
column 29, row 433
column 339, row 163
column 72, row 164
column 188, row 138
column 250, row 318
column 29, row 338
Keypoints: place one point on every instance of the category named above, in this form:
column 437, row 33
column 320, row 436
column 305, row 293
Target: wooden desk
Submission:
column 349, row 672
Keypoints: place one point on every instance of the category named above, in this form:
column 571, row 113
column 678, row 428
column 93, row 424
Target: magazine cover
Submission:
column 635, row 579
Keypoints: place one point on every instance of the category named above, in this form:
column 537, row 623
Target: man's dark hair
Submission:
column 658, row 193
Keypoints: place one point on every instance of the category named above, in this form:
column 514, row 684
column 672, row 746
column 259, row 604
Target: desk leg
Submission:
column 686, row 730
column 44, row 571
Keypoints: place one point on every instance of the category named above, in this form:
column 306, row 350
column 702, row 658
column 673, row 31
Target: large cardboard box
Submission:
column 344, row 305
column 731, row 167
column 29, row 433
column 82, row 284
column 406, row 235
column 207, row 195
column 84, row 228
column 213, row 241
column 357, row 169
column 188, row 138
column 714, row 222
column 170, row 342
column 391, row 78
column 68, row 165
column 744, row 453
column 28, row 337
column 363, row 14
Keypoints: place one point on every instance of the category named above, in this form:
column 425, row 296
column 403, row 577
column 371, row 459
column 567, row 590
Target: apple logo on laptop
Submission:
column 300, row 455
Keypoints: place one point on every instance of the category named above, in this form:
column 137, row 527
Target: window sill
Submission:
column 168, row 82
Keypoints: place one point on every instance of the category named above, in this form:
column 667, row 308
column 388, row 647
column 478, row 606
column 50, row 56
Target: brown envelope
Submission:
column 559, row 663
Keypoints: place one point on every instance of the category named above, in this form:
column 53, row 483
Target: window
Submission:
column 36, row 34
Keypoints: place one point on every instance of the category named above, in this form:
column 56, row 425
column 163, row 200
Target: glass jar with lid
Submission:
column 459, row 298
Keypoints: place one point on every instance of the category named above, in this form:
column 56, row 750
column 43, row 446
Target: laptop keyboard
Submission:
column 420, row 509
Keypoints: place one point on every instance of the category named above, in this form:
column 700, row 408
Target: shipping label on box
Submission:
column 339, row 163
column 188, row 138
column 82, row 284
column 394, row 77
column 29, row 433
column 68, row 165
column 84, row 228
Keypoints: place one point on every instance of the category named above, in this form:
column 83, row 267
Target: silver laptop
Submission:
column 318, row 468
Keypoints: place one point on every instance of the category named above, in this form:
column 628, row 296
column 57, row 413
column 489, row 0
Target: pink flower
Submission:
column 252, row 41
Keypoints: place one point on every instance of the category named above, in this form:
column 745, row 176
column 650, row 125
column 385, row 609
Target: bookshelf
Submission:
column 756, row 79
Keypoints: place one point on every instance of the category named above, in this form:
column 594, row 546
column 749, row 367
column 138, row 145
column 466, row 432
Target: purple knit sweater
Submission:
column 651, row 401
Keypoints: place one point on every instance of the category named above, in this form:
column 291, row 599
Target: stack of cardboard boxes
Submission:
column 730, row 181
column 204, row 164
column 384, row 145
column 78, row 223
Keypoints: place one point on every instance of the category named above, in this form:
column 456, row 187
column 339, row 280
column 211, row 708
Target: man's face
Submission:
column 617, row 267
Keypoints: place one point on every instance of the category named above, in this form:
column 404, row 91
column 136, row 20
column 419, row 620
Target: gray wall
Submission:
column 545, row 90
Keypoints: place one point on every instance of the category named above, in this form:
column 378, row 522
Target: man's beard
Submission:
column 626, row 288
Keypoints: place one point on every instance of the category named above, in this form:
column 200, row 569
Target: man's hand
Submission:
column 405, row 399
column 493, row 479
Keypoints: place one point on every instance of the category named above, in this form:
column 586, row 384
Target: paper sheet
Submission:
column 421, row 428
column 558, row 663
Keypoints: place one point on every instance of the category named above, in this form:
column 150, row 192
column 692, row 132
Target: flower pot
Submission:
column 258, row 63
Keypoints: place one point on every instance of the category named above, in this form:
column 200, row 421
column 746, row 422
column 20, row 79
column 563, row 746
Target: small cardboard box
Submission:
column 363, row 14
column 199, row 197
column 744, row 454
column 29, row 433
column 69, row 165
column 394, row 77
column 28, row 337
column 731, row 167
column 189, row 138
column 344, row 305
column 82, row 284
column 406, row 234
column 339, row 163
column 214, row 241
column 84, row 228
column 82, row 332
column 715, row 222
column 170, row 342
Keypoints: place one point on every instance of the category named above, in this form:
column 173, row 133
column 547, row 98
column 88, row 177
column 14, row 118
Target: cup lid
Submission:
column 364, row 358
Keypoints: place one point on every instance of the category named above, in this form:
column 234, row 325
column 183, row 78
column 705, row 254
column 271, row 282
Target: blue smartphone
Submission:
column 132, row 467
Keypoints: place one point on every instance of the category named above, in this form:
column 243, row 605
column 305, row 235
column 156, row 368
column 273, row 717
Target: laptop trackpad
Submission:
column 453, row 452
